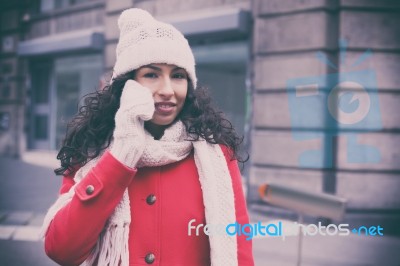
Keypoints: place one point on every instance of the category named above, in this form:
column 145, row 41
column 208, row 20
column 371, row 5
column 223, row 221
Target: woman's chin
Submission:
column 162, row 121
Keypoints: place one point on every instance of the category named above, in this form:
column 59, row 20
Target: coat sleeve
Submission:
column 244, row 247
column 76, row 227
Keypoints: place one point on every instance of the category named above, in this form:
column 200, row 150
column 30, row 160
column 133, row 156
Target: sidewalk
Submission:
column 27, row 189
column 26, row 192
column 43, row 158
column 321, row 250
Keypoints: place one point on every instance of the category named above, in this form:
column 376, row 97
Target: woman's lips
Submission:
column 165, row 108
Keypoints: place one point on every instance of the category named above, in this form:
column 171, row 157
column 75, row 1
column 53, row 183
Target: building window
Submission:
column 41, row 127
column 6, row 92
column 4, row 120
column 57, row 87
column 49, row 5
column 41, row 76
column 74, row 78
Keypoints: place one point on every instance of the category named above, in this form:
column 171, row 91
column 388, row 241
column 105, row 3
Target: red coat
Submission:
column 163, row 201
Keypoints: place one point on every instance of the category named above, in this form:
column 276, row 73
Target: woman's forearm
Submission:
column 75, row 229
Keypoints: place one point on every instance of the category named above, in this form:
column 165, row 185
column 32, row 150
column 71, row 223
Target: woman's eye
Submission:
column 150, row 75
column 179, row 76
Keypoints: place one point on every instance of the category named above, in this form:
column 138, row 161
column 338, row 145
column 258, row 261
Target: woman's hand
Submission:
column 136, row 106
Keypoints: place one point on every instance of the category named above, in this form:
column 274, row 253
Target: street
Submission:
column 28, row 189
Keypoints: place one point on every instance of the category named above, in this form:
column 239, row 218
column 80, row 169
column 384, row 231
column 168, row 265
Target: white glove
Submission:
column 136, row 106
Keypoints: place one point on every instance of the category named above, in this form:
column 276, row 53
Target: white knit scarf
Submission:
column 216, row 184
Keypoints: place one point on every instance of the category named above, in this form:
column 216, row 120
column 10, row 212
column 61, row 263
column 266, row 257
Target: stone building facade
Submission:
column 261, row 60
column 317, row 45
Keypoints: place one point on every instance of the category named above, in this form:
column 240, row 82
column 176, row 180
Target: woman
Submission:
column 146, row 161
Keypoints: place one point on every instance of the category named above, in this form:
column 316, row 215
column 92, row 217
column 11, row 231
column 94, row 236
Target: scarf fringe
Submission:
column 112, row 249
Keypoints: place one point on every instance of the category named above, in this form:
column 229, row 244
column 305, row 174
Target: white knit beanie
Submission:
column 144, row 40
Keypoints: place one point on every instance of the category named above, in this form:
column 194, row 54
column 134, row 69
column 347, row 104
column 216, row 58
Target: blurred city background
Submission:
column 312, row 85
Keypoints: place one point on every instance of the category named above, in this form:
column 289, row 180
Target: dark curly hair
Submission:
column 90, row 131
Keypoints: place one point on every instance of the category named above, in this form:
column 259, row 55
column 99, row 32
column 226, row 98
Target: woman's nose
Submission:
column 166, row 88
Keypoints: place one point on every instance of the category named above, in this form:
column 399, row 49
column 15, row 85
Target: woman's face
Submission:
column 169, row 85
